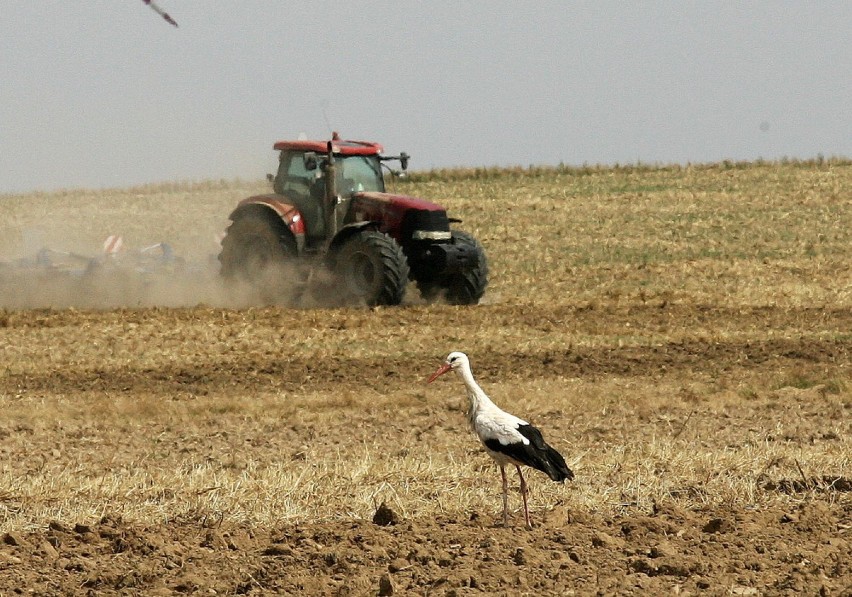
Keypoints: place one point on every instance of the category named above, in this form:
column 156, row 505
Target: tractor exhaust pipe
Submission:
column 330, row 189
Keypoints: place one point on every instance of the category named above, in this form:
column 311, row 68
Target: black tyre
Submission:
column 372, row 268
column 465, row 287
column 260, row 252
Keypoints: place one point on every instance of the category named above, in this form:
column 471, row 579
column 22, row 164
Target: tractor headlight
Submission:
column 431, row 235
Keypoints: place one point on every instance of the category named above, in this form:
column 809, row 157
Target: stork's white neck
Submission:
column 477, row 396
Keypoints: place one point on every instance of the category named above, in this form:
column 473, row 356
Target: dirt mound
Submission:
column 807, row 550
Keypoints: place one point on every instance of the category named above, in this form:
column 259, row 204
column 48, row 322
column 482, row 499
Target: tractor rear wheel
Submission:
column 260, row 252
column 372, row 268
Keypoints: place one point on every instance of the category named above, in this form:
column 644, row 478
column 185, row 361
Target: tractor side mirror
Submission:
column 403, row 160
column 310, row 160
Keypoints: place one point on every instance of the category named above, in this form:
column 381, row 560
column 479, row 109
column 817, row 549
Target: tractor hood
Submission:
column 404, row 202
column 405, row 218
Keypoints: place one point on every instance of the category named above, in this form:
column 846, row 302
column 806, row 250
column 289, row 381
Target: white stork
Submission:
column 507, row 439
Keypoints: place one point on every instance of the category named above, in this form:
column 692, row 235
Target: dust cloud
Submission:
column 153, row 276
column 150, row 246
column 54, row 279
column 102, row 284
column 68, row 273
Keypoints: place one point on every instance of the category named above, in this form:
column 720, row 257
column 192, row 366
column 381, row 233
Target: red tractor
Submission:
column 329, row 212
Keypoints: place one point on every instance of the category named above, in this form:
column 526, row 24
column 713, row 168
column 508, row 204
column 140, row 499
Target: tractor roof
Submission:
column 340, row 146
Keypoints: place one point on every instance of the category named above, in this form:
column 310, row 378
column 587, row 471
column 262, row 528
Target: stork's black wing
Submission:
column 537, row 453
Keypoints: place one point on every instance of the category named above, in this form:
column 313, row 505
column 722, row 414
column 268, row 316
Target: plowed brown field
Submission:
column 683, row 336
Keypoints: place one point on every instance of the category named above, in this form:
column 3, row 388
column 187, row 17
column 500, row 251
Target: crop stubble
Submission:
column 681, row 334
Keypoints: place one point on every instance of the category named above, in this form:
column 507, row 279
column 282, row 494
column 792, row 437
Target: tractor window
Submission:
column 359, row 173
column 293, row 178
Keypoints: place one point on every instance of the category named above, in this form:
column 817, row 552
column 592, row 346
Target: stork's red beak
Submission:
column 441, row 370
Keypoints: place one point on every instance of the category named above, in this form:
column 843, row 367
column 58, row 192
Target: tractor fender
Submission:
column 347, row 232
column 274, row 206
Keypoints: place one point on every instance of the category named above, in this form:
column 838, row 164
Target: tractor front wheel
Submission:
column 461, row 288
column 372, row 268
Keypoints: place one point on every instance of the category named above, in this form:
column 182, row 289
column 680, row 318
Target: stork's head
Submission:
column 455, row 361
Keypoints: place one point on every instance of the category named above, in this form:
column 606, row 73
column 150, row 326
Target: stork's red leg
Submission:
column 505, row 496
column 524, row 495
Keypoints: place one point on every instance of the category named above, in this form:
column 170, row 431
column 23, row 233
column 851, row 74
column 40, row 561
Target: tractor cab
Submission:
column 320, row 179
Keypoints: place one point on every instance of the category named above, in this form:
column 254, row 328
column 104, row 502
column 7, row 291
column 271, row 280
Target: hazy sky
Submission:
column 105, row 93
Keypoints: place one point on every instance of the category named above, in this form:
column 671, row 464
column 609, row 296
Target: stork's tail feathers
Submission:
column 536, row 453
column 555, row 466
